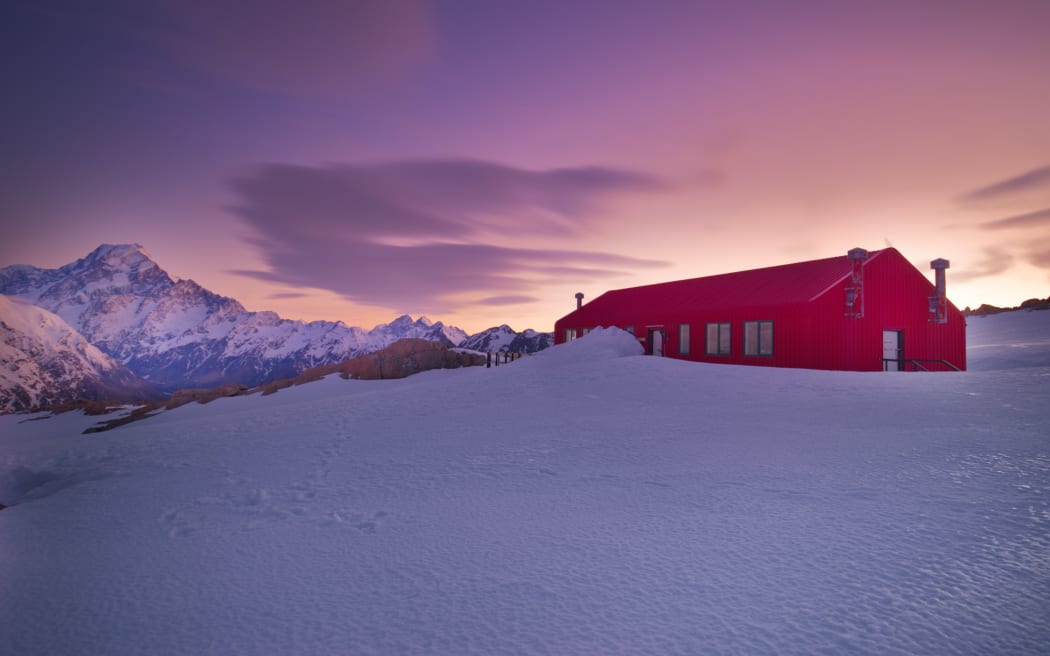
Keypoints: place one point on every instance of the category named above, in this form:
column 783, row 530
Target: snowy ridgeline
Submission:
column 174, row 334
column 583, row 500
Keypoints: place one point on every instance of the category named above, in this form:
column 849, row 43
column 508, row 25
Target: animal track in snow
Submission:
column 363, row 522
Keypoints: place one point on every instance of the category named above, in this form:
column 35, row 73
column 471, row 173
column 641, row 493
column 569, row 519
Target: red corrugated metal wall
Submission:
column 815, row 335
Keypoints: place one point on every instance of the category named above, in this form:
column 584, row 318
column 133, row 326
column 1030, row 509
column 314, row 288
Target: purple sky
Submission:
column 481, row 162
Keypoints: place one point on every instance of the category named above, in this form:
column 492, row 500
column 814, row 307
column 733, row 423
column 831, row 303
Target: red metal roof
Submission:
column 787, row 284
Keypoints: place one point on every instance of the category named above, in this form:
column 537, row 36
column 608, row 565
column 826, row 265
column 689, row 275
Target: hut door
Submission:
column 892, row 350
column 656, row 341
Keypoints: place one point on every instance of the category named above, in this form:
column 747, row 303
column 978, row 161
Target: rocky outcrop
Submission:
column 1031, row 304
column 406, row 357
column 402, row 358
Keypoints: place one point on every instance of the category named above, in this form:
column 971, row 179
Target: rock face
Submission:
column 46, row 363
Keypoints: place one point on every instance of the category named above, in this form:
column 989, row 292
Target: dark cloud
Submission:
column 411, row 235
column 283, row 295
column 1037, row 219
column 1036, row 179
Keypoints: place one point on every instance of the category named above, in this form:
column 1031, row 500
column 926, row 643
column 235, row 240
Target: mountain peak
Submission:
column 406, row 321
column 127, row 256
column 403, row 320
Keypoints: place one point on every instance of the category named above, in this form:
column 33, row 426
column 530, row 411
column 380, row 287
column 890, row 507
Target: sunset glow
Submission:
column 481, row 162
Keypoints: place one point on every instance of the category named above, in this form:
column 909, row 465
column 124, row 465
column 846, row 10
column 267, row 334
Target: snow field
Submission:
column 584, row 500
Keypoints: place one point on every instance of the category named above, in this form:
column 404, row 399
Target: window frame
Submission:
column 718, row 325
column 759, row 352
column 683, row 338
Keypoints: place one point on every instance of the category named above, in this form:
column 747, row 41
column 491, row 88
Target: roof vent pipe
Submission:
column 579, row 300
column 855, row 287
column 939, row 301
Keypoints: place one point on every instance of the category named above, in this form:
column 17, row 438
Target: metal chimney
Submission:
column 855, row 288
column 939, row 301
column 857, row 254
column 579, row 300
column 939, row 265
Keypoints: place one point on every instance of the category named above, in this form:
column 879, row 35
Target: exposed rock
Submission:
column 406, row 357
column 1036, row 304
column 1031, row 304
column 402, row 358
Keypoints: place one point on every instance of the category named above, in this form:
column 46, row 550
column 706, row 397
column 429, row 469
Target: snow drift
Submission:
column 581, row 501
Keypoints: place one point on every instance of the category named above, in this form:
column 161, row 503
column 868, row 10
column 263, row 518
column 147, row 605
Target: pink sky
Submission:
column 481, row 162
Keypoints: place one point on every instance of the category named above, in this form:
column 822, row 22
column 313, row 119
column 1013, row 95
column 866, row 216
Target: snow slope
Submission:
column 1008, row 340
column 584, row 500
column 43, row 361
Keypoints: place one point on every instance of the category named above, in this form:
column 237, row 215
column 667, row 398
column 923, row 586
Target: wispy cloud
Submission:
column 995, row 261
column 1014, row 243
column 1037, row 219
column 413, row 235
column 507, row 300
column 1039, row 254
column 1036, row 179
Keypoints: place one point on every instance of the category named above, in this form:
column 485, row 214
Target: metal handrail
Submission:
column 916, row 364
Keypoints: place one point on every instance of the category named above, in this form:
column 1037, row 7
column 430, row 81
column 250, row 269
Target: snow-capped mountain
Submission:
column 421, row 328
column 503, row 338
column 47, row 363
column 176, row 334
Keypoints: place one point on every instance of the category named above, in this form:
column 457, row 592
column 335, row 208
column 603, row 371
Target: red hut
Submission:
column 865, row 311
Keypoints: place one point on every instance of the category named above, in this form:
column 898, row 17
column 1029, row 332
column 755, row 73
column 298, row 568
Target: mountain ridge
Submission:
column 176, row 334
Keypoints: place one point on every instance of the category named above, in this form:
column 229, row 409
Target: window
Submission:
column 570, row 334
column 683, row 339
column 630, row 329
column 585, row 331
column 758, row 338
column 718, row 339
